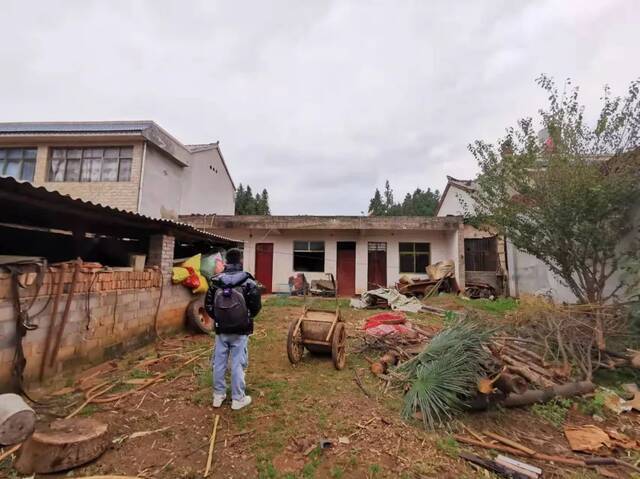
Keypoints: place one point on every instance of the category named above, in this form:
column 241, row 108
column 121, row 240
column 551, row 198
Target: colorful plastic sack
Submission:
column 179, row 274
column 193, row 262
column 193, row 281
column 203, row 285
column 211, row 265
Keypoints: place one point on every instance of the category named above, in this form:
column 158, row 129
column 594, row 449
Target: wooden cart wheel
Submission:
column 339, row 346
column 295, row 348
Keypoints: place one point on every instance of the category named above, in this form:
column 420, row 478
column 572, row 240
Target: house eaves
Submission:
column 212, row 146
column 147, row 129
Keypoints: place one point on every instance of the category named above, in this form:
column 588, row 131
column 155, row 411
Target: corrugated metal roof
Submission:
column 10, row 187
column 74, row 127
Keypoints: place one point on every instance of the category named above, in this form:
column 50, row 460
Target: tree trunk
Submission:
column 65, row 444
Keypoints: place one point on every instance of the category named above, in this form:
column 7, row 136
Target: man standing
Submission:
column 233, row 301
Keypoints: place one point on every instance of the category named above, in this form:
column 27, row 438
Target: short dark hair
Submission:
column 234, row 256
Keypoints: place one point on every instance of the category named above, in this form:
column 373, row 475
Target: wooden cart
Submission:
column 318, row 331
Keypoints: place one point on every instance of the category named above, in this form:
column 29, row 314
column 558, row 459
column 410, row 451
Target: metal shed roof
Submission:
column 23, row 204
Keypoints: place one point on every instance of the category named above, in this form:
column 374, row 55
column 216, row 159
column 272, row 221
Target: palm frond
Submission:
column 445, row 372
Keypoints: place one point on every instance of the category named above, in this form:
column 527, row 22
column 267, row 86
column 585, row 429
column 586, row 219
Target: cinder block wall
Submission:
column 117, row 315
column 110, row 312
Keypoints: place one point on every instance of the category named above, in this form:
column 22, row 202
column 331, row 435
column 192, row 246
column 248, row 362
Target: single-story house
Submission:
column 130, row 165
column 363, row 252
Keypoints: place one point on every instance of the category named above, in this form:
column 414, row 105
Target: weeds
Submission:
column 449, row 446
column 554, row 412
column 593, row 406
column 375, row 470
column 139, row 374
column 337, row 472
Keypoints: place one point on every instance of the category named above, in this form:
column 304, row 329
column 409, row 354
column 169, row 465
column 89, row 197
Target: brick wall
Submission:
column 110, row 312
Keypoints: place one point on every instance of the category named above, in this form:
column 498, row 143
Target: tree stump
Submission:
column 17, row 419
column 64, row 444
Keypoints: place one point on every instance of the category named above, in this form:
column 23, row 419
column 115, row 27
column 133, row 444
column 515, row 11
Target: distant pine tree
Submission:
column 248, row 204
column 418, row 203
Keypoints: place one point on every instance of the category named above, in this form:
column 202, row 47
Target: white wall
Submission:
column 162, row 184
column 454, row 202
column 529, row 275
column 443, row 246
column 207, row 188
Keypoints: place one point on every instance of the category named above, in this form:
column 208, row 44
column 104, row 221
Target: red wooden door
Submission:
column 346, row 268
column 264, row 265
column 377, row 265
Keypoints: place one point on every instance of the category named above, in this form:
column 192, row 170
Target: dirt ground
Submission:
column 294, row 408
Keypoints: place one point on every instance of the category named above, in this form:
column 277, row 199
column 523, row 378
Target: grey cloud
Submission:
column 319, row 101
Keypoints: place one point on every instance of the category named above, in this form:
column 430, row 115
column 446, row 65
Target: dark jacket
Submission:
column 233, row 276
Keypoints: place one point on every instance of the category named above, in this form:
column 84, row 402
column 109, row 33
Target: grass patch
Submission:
column 498, row 306
column 614, row 378
column 594, row 406
column 449, row 446
column 554, row 412
column 328, row 304
column 309, row 469
column 204, row 377
column 89, row 410
column 139, row 374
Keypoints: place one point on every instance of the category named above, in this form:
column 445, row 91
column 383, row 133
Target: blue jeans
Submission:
column 234, row 346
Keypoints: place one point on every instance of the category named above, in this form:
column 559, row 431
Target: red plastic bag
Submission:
column 193, row 281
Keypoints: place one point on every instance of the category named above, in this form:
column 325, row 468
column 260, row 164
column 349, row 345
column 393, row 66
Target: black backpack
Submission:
column 230, row 311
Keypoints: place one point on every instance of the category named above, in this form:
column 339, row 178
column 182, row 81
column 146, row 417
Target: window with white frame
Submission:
column 111, row 163
column 414, row 257
column 308, row 256
column 19, row 163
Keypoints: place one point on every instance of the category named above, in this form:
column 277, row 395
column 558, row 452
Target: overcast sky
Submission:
column 318, row 101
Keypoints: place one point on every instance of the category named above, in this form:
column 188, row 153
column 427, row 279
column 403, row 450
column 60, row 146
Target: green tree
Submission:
column 248, row 204
column 418, row 203
column 567, row 197
column 388, row 198
column 376, row 206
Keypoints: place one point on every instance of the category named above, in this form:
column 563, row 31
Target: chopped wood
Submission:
column 509, row 442
column 492, row 466
column 17, row 419
column 511, row 383
column 64, row 444
column 528, row 470
column 211, row 445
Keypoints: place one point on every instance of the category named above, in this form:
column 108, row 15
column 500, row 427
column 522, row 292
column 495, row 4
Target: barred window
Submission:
column 19, row 163
column 414, row 257
column 91, row 164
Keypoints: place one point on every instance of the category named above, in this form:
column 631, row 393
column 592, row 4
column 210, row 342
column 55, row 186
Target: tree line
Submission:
column 418, row 203
column 249, row 204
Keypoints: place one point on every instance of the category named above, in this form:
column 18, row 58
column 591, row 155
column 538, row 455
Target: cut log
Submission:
column 17, row 419
column 484, row 401
column 546, row 395
column 64, row 444
column 511, row 383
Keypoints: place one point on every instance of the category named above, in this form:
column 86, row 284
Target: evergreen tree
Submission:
column 376, row 207
column 388, row 197
column 248, row 204
column 418, row 203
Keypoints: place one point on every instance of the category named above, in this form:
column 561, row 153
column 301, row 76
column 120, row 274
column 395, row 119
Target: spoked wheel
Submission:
column 339, row 346
column 295, row 348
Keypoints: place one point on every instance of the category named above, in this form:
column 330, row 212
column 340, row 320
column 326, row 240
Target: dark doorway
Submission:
column 264, row 265
column 481, row 254
column 346, row 268
column 377, row 265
